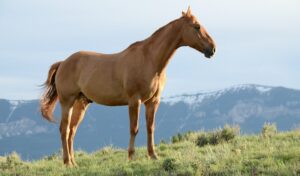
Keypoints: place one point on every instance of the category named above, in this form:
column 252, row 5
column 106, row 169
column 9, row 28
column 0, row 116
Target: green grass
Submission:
column 276, row 154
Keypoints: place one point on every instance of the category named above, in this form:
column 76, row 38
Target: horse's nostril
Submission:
column 210, row 52
column 213, row 50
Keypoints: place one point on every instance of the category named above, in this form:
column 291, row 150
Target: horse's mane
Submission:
column 158, row 31
column 154, row 35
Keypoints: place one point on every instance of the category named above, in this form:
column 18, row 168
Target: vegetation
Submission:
column 269, row 130
column 222, row 152
column 216, row 137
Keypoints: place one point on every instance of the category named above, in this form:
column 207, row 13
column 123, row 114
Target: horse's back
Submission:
column 93, row 74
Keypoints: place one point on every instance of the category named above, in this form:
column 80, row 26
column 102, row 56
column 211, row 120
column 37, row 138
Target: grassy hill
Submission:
column 222, row 152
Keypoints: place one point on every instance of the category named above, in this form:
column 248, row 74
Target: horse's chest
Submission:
column 149, row 88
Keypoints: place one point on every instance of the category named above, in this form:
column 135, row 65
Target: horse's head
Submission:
column 195, row 36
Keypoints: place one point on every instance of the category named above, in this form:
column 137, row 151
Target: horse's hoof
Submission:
column 69, row 164
column 130, row 157
column 130, row 154
column 153, row 156
column 74, row 163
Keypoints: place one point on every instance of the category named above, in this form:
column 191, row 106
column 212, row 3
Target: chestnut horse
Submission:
column 134, row 76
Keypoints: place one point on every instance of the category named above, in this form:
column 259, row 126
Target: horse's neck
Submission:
column 161, row 47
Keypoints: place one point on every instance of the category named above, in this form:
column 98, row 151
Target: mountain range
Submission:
column 22, row 129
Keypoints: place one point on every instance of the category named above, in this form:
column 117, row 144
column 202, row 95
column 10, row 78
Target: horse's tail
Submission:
column 49, row 98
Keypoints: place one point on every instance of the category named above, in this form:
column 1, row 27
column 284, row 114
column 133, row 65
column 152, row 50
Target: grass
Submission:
column 230, row 154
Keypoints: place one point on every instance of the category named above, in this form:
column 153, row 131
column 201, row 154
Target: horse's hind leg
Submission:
column 66, row 110
column 79, row 108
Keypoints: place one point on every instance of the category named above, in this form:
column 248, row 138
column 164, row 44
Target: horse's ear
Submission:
column 189, row 12
column 183, row 13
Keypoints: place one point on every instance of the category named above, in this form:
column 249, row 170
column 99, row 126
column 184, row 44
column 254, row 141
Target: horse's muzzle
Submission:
column 209, row 52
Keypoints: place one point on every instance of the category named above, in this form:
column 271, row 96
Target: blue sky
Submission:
column 257, row 41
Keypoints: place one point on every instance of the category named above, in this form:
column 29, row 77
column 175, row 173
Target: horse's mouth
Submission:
column 208, row 55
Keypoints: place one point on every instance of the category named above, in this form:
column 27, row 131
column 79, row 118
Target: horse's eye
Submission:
column 197, row 27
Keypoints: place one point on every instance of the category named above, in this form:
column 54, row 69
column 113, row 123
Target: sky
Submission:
column 257, row 40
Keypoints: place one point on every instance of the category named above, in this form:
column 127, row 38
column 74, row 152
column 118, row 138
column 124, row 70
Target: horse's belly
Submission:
column 111, row 101
column 106, row 95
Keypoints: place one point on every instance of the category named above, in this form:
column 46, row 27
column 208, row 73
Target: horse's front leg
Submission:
column 134, row 111
column 151, row 108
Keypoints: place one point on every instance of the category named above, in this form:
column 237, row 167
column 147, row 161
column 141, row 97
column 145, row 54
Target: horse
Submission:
column 131, row 77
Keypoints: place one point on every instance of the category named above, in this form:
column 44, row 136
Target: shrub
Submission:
column 14, row 157
column 181, row 137
column 162, row 147
column 269, row 130
column 12, row 160
column 215, row 138
column 175, row 139
column 224, row 135
column 169, row 164
column 202, row 140
column 229, row 132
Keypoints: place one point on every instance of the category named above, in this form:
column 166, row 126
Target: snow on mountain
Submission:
column 13, row 107
column 20, row 119
column 200, row 96
column 20, row 127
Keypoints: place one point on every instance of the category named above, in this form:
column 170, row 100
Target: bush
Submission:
column 174, row 139
column 162, row 147
column 169, row 164
column 202, row 140
column 224, row 135
column 178, row 138
column 229, row 132
column 215, row 138
column 181, row 137
column 269, row 130
column 12, row 160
